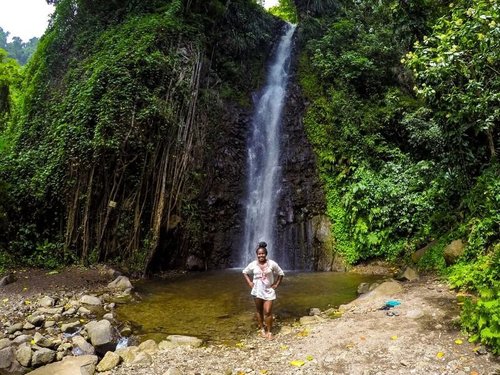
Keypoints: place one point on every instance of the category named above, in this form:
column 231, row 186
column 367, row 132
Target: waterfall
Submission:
column 263, row 159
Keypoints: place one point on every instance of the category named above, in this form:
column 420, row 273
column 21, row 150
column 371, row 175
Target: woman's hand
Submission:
column 250, row 285
column 274, row 286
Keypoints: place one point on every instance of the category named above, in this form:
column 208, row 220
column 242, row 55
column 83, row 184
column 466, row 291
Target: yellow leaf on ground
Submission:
column 394, row 337
column 458, row 342
column 240, row 345
column 283, row 347
column 440, row 355
column 25, row 289
column 297, row 363
column 263, row 371
column 5, row 300
column 27, row 302
column 309, row 357
column 303, row 333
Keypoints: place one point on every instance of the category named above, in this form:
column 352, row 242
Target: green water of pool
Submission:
column 217, row 306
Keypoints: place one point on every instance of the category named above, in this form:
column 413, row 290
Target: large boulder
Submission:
column 409, row 274
column 110, row 361
column 7, row 357
column 120, row 283
column 181, row 340
column 453, row 251
column 417, row 255
column 42, row 356
column 81, row 346
column 100, row 332
column 82, row 365
column 91, row 300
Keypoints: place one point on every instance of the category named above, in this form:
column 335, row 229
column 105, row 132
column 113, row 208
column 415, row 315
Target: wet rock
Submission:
column 128, row 354
column 409, row 274
column 181, row 340
column 22, row 339
column 8, row 279
column 50, row 310
column 70, row 327
column 314, row 311
column 126, row 331
column 120, row 283
column 142, row 358
column 100, row 332
column 385, row 289
column 82, row 365
column 49, row 323
column 453, row 251
column 149, row 346
column 42, row 356
column 27, row 326
column 47, row 301
column 7, row 357
column 14, row 328
column 166, row 345
column 23, row 354
column 36, row 320
column 5, row 342
column 43, row 341
column 84, row 311
column 82, row 345
column 91, row 300
column 194, row 263
column 363, row 288
column 69, row 312
column 109, row 361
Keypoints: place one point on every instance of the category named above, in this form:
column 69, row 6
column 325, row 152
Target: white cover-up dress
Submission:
column 263, row 278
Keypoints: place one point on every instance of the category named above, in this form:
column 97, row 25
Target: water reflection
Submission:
column 217, row 306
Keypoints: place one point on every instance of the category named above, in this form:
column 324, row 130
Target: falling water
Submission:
column 263, row 167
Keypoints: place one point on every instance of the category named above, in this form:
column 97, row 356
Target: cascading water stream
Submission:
column 263, row 159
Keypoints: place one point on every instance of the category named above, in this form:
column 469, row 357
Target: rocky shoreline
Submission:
column 49, row 326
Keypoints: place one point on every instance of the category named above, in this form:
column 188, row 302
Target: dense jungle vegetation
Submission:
column 404, row 117
column 122, row 99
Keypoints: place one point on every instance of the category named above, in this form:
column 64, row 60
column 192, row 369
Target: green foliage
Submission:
column 457, row 72
column 481, row 315
column 102, row 114
column 48, row 255
column 285, row 10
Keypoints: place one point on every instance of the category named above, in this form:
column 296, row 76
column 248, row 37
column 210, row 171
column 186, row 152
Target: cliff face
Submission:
column 303, row 228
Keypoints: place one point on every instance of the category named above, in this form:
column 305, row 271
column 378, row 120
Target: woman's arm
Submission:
column 277, row 282
column 249, row 282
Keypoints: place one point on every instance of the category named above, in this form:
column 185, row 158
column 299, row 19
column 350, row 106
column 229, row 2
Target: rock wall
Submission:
column 303, row 229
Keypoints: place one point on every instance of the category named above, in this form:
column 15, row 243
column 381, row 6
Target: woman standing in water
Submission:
column 263, row 287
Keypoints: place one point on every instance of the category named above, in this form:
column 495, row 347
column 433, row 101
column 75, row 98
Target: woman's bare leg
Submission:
column 268, row 317
column 259, row 305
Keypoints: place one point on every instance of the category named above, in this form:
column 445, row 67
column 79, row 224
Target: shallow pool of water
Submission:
column 217, row 306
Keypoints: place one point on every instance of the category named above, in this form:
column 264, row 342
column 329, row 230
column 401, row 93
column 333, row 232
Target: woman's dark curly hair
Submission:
column 263, row 246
